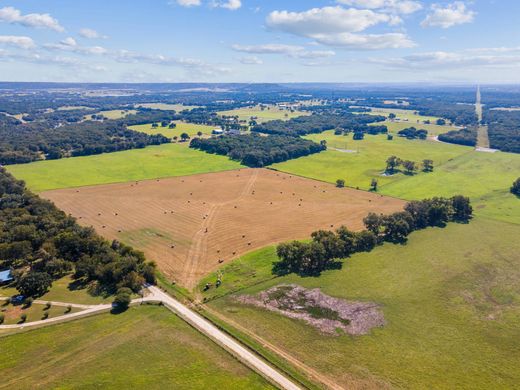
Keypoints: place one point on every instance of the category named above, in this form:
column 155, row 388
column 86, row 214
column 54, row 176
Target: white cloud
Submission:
column 251, row 60
column 91, row 34
column 17, row 41
column 13, row 16
column 230, row 4
column 325, row 20
column 366, row 41
column 392, row 6
column 70, row 44
column 289, row 50
column 188, row 3
column 442, row 59
column 337, row 26
column 449, row 15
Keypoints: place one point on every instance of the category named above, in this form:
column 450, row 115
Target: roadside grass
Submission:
column 252, row 268
column 146, row 347
column 35, row 312
column 182, row 127
column 484, row 177
column 268, row 114
column 358, row 162
column 451, row 299
column 152, row 162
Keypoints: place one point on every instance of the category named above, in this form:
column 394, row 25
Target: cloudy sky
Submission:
column 260, row 41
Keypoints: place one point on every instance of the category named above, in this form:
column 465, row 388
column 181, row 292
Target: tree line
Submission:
column 40, row 243
column 503, row 130
column 26, row 142
column 255, row 150
column 318, row 123
column 326, row 248
column 467, row 137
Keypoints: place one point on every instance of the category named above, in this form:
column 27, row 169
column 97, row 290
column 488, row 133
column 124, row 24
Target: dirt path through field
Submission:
column 198, row 249
column 482, row 131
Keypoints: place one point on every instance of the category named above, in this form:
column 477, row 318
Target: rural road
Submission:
column 188, row 315
column 228, row 343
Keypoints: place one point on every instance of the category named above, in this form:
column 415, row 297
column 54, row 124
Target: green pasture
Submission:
column 146, row 347
column 182, row 127
column 167, row 106
column 137, row 164
column 451, row 301
column 268, row 114
column 357, row 162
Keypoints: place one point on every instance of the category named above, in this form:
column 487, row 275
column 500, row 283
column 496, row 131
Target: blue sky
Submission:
column 260, row 41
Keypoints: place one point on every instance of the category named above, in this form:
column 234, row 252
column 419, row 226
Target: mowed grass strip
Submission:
column 182, row 127
column 357, row 162
column 165, row 160
column 451, row 299
column 146, row 347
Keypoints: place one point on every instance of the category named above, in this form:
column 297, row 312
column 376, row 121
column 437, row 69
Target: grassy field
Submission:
column 64, row 290
column 34, row 312
column 451, row 300
column 137, row 164
column 166, row 106
column 113, row 114
column 268, row 114
column 394, row 127
column 189, row 128
column 357, row 162
column 146, row 347
column 408, row 116
column 485, row 177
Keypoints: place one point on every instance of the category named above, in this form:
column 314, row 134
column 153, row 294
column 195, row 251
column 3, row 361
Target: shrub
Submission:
column 47, row 306
column 340, row 183
column 123, row 298
column 515, row 188
column 23, row 317
column 2, row 317
column 28, row 302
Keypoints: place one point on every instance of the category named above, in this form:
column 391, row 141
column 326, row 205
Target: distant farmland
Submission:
column 189, row 225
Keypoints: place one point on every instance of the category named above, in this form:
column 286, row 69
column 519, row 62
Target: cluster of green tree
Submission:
column 26, row 142
column 515, row 188
column 39, row 243
column 318, row 123
column 328, row 247
column 413, row 133
column 394, row 162
column 503, row 130
column 254, row 150
column 464, row 136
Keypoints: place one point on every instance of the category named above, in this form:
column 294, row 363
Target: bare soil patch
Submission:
column 190, row 225
column 325, row 313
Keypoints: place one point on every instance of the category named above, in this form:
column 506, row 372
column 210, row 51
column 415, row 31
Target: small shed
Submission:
column 218, row 131
column 5, row 277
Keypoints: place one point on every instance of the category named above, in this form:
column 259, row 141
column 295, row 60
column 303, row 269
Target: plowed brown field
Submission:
column 189, row 225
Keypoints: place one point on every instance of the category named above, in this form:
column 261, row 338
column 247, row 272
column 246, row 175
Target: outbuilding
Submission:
column 5, row 277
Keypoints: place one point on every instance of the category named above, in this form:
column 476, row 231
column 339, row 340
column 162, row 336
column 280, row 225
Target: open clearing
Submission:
column 114, row 114
column 137, row 164
column 268, row 114
column 167, row 106
column 182, row 127
column 451, row 302
column 433, row 130
column 408, row 116
column 369, row 161
column 189, row 224
column 146, row 347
